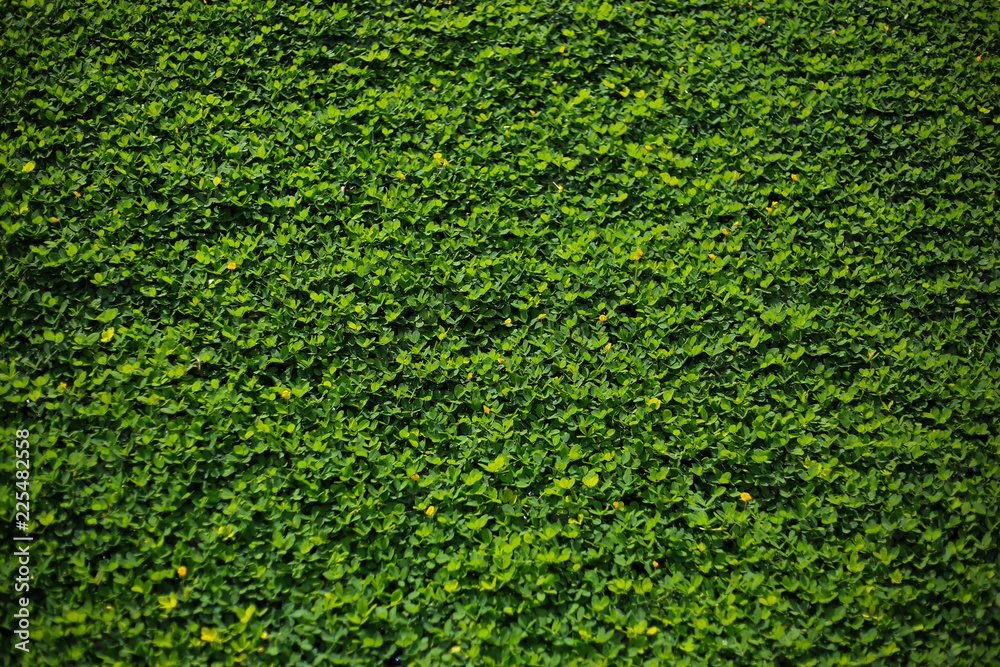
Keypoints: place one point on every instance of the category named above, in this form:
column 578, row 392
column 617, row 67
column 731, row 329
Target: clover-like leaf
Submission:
column 497, row 464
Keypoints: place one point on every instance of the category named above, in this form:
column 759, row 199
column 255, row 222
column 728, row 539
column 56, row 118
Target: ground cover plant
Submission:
column 504, row 333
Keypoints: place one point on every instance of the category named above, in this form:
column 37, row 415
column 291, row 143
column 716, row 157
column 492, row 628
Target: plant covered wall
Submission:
column 523, row 334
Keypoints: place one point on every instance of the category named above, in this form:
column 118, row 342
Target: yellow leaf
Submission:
column 168, row 602
column 209, row 634
column 248, row 614
column 591, row 480
column 107, row 334
column 28, row 166
column 216, row 180
column 450, row 586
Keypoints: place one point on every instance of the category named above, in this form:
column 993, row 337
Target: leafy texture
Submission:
column 275, row 279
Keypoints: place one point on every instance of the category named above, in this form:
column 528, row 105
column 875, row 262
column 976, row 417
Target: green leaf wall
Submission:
column 452, row 333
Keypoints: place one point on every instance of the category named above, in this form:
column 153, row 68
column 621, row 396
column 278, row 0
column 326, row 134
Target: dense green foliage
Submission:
column 452, row 333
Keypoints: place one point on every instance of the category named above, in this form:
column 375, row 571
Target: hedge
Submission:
column 511, row 333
